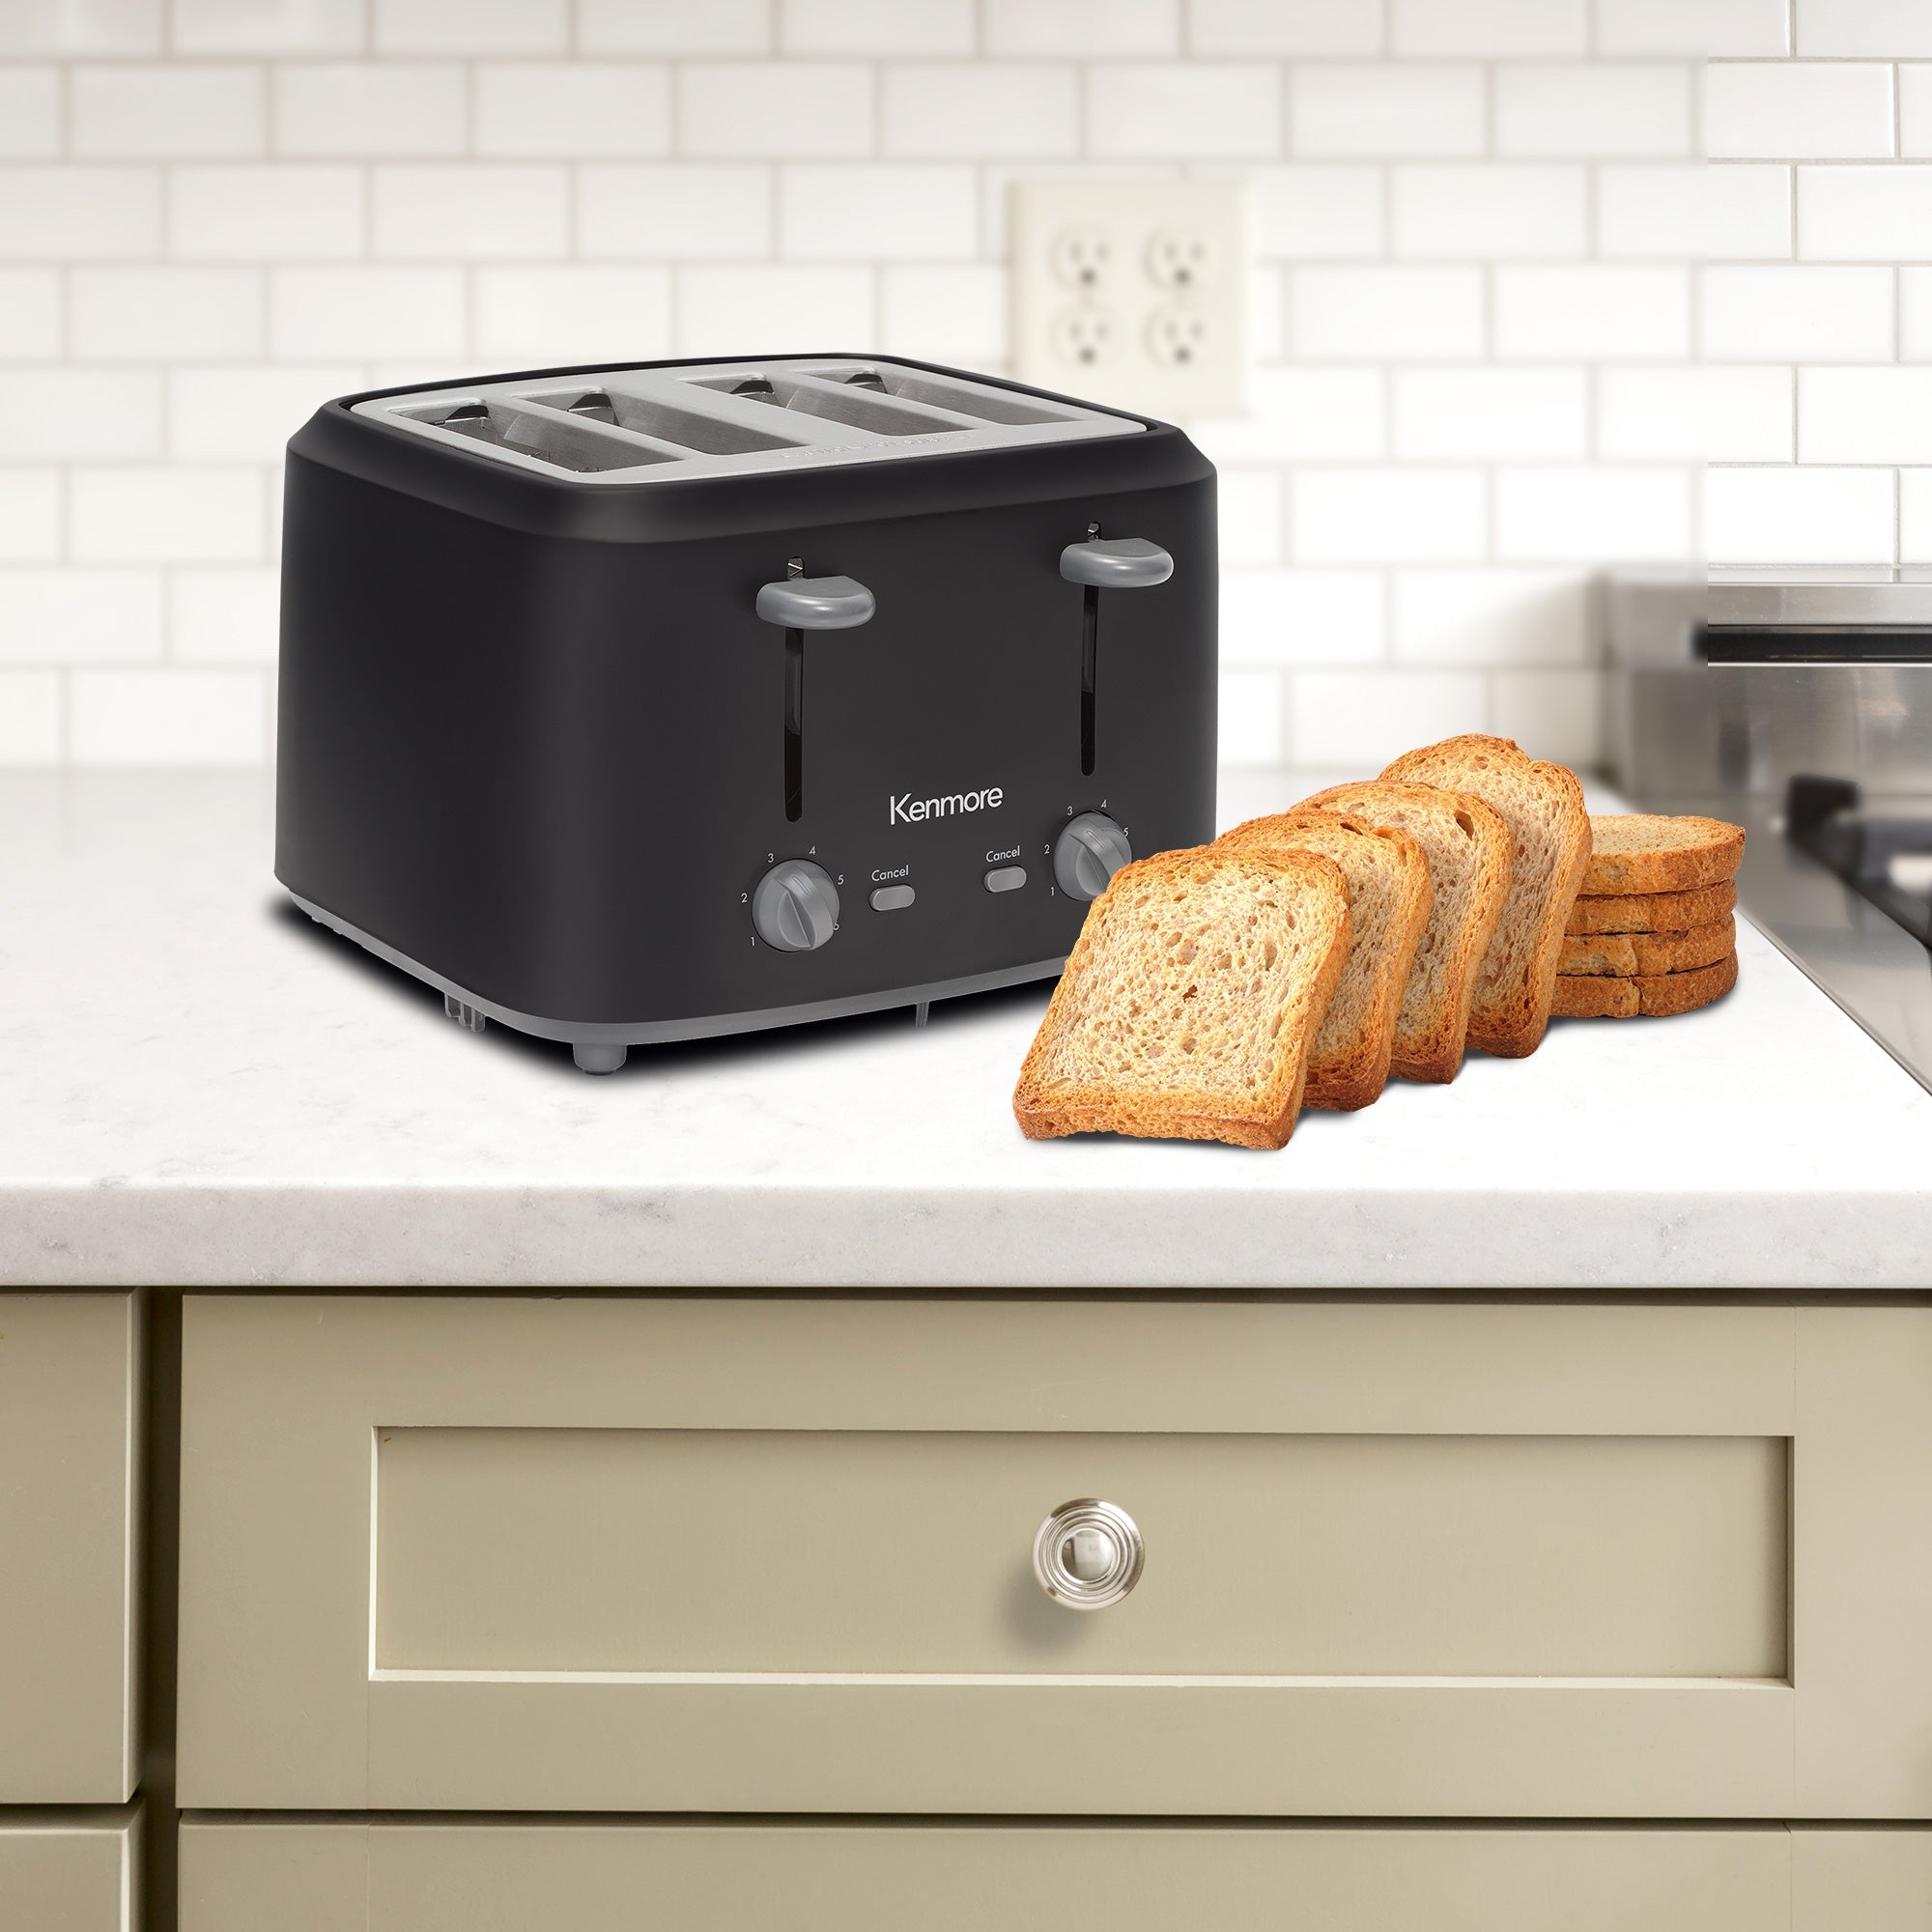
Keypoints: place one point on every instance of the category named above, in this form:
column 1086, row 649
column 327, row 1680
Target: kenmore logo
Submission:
column 910, row 810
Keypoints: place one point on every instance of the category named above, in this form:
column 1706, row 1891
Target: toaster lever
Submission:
column 816, row 603
column 1118, row 563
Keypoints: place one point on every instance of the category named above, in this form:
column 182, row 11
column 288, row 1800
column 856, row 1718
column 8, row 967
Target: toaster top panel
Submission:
column 643, row 425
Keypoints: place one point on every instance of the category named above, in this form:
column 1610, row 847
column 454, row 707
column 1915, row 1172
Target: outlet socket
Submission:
column 1133, row 292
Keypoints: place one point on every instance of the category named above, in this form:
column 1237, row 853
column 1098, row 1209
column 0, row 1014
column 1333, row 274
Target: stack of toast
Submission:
column 1375, row 928
column 1652, row 931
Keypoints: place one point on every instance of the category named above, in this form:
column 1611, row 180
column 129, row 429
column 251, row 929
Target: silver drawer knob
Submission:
column 1088, row 1555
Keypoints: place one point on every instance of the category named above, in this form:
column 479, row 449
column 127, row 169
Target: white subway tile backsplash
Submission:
column 1458, row 209
column 30, row 113
column 1471, row 413
column 1915, row 315
column 1363, row 516
column 1250, row 718
column 1626, row 314
column 1554, row 714
column 871, row 28
column 569, row 109
column 77, row 415
column 1723, row 414
column 733, row 311
column 1483, row 616
column 32, row 710
column 267, row 26
column 1594, row 111
column 1864, row 415
column 1084, row 29
column 320, row 314
column 1797, row 315
column 1249, row 514
column 1299, row 617
column 1796, row 110
column 1914, row 516
column 1286, row 26
column 789, row 109
column 540, row 318
column 30, row 315
column 1600, row 515
column 957, row 315
column 229, row 615
column 235, row 414
column 1914, row 110
column 1410, row 313
column 908, row 214
column 97, row 27
column 432, row 211
column 675, row 211
column 1683, row 212
column 388, row 111
column 177, row 717
column 166, row 113
column 1802, row 516
column 291, row 211
column 1317, row 210
column 1864, row 215
column 1013, row 108
column 1183, row 111
column 1360, row 719
column 1880, row 29
column 155, row 515
column 1301, row 415
column 30, row 515
column 1720, row 28
column 85, row 214
column 79, row 617
column 1436, row 111
column 475, row 27
column 1491, row 27
column 672, row 27
column 166, row 315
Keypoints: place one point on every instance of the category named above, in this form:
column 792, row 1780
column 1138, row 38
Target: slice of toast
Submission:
column 1190, row 999
column 1636, row 852
column 1630, row 955
column 1653, row 912
column 1467, row 847
column 1542, row 807
column 1654, row 996
column 1388, row 907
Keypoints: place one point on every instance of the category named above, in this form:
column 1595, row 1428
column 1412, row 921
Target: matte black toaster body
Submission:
column 647, row 704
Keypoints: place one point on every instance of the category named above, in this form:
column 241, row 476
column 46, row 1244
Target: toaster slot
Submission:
column 850, row 400
column 555, row 439
column 653, row 416
column 966, row 398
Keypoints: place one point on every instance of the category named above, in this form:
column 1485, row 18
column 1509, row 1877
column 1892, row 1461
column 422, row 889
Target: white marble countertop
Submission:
column 198, row 1086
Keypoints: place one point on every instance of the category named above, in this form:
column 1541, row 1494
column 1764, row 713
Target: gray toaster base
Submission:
column 599, row 1045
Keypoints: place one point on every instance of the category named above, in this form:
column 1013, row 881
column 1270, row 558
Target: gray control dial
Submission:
column 1091, row 849
column 795, row 906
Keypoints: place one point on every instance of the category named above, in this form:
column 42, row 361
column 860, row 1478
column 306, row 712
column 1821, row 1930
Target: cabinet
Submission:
column 70, row 1871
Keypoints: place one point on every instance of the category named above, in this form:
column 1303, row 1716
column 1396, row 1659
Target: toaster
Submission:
column 650, row 702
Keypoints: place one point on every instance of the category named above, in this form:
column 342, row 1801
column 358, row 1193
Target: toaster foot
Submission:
column 594, row 1059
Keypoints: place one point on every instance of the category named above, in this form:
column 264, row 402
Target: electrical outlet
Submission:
column 1133, row 292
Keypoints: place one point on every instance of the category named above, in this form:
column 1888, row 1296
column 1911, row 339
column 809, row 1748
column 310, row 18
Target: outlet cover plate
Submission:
column 1133, row 293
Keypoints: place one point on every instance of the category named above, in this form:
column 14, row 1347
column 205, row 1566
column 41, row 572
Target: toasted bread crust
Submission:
column 1653, row 912
column 1389, row 908
column 1657, row 997
column 1518, row 977
column 1046, row 1109
column 1630, row 955
column 1469, row 852
column 1639, row 852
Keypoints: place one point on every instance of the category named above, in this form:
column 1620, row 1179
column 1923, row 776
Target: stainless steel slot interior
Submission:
column 845, row 399
column 986, row 405
column 554, row 439
column 650, row 415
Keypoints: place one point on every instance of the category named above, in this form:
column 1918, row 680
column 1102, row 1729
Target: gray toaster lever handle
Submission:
column 1118, row 563
column 815, row 603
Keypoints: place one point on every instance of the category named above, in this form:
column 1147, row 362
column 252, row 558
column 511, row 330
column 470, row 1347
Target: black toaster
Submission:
column 645, row 703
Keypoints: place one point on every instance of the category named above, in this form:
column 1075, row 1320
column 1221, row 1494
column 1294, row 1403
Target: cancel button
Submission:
column 1006, row 878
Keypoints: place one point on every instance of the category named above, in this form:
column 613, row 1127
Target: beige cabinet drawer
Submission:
column 734, row 1555
column 70, row 1871
column 70, row 1545
column 682, row 1877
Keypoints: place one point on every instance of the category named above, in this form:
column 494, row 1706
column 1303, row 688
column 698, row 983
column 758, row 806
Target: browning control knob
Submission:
column 796, row 906
column 1091, row 849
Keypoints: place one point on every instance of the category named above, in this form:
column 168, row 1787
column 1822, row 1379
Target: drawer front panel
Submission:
column 73, row 1871
column 1474, row 1560
column 70, row 1449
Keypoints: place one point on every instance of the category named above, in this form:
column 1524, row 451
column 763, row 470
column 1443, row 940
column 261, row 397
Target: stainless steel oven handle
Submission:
column 1116, row 563
column 816, row 604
